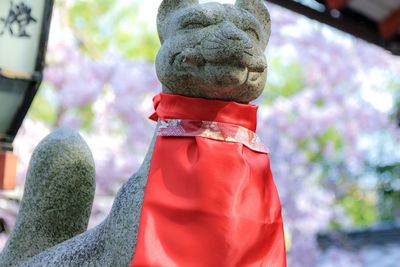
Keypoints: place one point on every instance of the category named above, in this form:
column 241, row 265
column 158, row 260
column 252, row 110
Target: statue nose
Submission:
column 229, row 31
column 226, row 43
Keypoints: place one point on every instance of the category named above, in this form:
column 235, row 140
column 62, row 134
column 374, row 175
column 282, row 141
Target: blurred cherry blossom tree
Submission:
column 323, row 113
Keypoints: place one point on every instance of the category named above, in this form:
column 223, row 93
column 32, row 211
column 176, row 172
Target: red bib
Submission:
column 210, row 199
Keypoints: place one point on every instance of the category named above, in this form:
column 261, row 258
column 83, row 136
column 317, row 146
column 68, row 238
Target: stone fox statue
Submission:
column 204, row 195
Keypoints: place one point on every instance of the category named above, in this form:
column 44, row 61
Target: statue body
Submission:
column 209, row 51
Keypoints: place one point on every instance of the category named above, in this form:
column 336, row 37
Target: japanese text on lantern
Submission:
column 17, row 20
column 20, row 31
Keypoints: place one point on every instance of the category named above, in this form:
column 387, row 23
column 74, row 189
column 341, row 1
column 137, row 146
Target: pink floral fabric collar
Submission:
column 213, row 130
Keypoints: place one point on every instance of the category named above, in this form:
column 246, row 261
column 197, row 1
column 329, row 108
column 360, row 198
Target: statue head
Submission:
column 213, row 50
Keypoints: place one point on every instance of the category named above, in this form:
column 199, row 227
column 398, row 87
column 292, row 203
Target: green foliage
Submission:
column 329, row 137
column 285, row 79
column 104, row 24
column 389, row 191
column 44, row 106
column 360, row 206
column 333, row 136
column 87, row 115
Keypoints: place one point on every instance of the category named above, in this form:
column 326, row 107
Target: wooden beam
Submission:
column 336, row 4
column 8, row 170
column 348, row 22
column 13, row 74
column 390, row 26
column 343, row 23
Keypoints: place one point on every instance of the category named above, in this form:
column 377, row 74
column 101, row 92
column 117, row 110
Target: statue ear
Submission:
column 166, row 8
column 259, row 10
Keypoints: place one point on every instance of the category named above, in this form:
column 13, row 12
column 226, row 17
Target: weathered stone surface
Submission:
column 112, row 242
column 211, row 51
column 58, row 197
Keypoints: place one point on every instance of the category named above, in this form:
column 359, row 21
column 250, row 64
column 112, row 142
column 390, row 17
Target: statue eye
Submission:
column 194, row 25
column 253, row 33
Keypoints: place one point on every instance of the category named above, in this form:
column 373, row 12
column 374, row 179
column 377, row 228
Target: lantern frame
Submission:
column 33, row 80
column 29, row 84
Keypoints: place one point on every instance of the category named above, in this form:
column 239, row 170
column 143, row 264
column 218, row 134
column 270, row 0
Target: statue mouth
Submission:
column 222, row 73
column 196, row 60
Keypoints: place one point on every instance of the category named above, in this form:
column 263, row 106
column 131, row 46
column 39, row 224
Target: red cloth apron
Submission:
column 210, row 199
